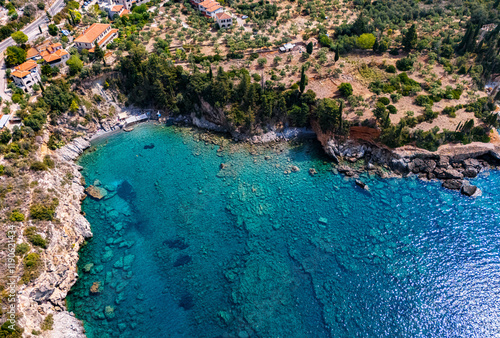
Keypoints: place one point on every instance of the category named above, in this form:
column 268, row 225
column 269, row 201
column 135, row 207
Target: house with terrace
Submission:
column 26, row 75
column 210, row 8
column 101, row 33
column 224, row 20
column 51, row 53
column 119, row 10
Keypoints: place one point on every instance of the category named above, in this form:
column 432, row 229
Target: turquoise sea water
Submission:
column 182, row 248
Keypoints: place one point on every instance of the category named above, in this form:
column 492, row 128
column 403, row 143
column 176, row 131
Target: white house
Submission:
column 98, row 32
column 210, row 8
column 224, row 20
column 26, row 75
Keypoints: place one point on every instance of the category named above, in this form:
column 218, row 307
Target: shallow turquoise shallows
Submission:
column 183, row 248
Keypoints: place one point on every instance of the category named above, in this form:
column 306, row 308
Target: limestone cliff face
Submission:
column 47, row 294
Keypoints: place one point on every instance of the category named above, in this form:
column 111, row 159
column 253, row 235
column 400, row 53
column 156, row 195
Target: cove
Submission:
column 185, row 247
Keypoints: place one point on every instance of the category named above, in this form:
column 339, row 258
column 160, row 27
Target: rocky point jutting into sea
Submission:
column 452, row 164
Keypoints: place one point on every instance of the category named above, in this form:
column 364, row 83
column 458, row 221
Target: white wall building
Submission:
column 26, row 75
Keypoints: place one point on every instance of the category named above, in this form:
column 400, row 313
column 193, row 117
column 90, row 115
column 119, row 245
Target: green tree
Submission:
column 98, row 52
column 345, row 89
column 75, row 65
column 5, row 136
column 366, row 41
column 309, row 48
column 15, row 56
column 262, row 61
column 327, row 112
column 19, row 37
column 303, row 79
column 337, row 54
column 410, row 38
column 53, row 30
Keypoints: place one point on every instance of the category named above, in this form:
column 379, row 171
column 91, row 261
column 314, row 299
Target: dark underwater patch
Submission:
column 149, row 146
column 182, row 260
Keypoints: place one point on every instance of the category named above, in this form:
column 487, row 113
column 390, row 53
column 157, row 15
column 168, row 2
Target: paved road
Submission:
column 32, row 30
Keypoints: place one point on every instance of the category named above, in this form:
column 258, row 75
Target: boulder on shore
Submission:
column 470, row 190
column 452, row 184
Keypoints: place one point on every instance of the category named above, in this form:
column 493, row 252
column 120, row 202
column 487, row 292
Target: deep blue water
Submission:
column 182, row 248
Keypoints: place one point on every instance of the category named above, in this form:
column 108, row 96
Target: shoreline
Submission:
column 40, row 296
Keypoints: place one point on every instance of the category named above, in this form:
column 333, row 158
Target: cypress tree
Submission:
column 341, row 120
column 337, row 54
column 302, row 84
column 309, row 48
column 210, row 74
column 375, row 46
column 410, row 38
column 40, row 29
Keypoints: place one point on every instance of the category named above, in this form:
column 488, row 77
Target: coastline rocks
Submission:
column 71, row 151
column 362, row 185
column 470, row 190
column 66, row 326
column 452, row 184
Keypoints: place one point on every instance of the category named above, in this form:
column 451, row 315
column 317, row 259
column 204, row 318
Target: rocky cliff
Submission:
column 453, row 164
column 46, row 295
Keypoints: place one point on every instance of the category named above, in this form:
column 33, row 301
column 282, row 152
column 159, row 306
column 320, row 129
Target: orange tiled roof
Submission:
column 125, row 12
column 116, row 8
column 32, row 52
column 213, row 8
column 223, row 16
column 206, row 3
column 20, row 74
column 55, row 45
column 92, row 33
column 26, row 66
column 55, row 56
column 107, row 36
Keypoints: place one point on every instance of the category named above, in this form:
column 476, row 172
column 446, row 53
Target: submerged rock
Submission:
column 186, row 302
column 362, row 185
column 294, row 168
column 149, row 146
column 182, row 260
column 125, row 190
column 95, row 288
column 176, row 244
column 96, row 192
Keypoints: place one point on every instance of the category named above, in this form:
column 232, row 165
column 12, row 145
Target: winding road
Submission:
column 32, row 29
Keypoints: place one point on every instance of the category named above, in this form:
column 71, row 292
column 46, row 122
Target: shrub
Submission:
column 395, row 97
column 38, row 166
column 48, row 323
column 16, row 216
column 345, row 89
column 390, row 69
column 384, row 100
column 256, row 77
column 48, row 161
column 404, row 64
column 34, row 238
column 44, row 212
column 450, row 111
column 423, row 100
column 392, row 109
column 22, row 249
column 366, row 41
column 31, row 262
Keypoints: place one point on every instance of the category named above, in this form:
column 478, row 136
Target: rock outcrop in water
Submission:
column 47, row 293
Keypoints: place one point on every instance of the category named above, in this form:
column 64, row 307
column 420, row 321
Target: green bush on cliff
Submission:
column 16, row 216
column 6, row 331
column 44, row 212
column 48, row 323
column 22, row 249
column 32, row 263
column 35, row 238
